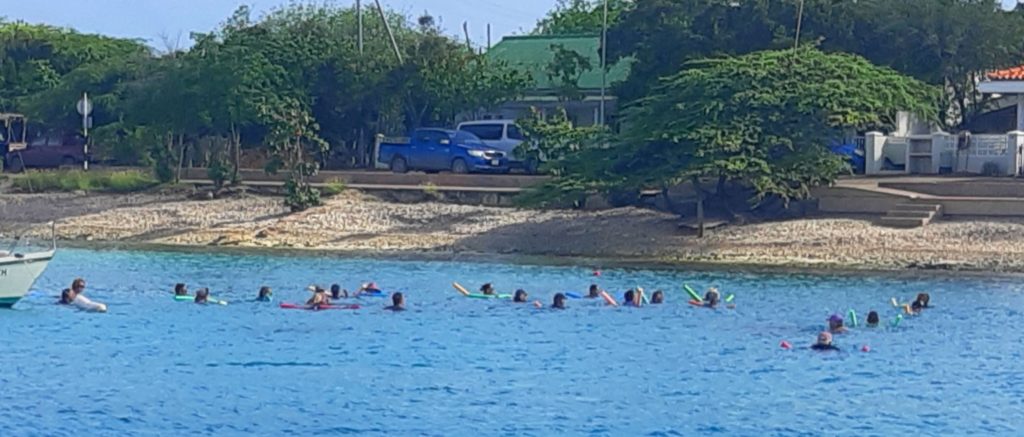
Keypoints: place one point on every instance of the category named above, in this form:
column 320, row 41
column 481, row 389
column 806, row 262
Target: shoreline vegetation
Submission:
column 356, row 224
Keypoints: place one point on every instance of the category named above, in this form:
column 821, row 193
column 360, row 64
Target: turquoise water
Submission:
column 456, row 366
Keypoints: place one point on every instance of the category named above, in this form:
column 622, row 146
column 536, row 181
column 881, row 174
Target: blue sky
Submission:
column 152, row 19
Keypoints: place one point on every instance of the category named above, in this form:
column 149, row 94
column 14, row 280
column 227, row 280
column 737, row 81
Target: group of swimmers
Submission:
column 632, row 297
column 320, row 299
column 836, row 324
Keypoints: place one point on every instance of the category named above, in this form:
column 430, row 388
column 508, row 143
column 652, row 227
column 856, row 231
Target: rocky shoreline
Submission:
column 354, row 223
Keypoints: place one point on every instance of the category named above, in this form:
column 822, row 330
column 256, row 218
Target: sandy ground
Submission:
column 353, row 222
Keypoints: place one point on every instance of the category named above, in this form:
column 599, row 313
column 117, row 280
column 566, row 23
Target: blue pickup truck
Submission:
column 433, row 150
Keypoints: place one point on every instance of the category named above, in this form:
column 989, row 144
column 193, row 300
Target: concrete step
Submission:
column 930, row 207
column 910, row 214
column 904, row 222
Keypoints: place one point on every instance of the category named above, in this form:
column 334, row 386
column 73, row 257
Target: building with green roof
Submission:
column 534, row 53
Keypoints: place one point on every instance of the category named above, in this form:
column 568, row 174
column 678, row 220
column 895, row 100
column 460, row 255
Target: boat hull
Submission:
column 19, row 273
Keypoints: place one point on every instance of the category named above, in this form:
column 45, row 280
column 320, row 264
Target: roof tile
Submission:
column 1014, row 73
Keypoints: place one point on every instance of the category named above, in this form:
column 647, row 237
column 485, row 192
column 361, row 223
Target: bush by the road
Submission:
column 125, row 181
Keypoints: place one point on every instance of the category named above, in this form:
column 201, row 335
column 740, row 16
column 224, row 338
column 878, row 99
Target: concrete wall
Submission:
column 954, row 188
column 854, row 201
column 983, row 207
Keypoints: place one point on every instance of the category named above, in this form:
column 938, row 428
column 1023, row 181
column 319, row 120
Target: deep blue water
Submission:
column 457, row 366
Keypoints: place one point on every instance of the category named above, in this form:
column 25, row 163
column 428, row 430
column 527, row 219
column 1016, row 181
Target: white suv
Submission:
column 503, row 135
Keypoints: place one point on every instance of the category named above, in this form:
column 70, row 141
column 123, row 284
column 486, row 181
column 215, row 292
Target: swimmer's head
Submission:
column 265, row 291
column 712, row 296
column 335, row 291
column 65, row 296
column 629, row 296
column 923, row 298
column 559, row 301
column 825, row 338
column 398, row 299
column 658, row 297
column 593, row 292
column 835, row 321
column 520, row 296
column 180, row 289
column 487, row 288
column 873, row 318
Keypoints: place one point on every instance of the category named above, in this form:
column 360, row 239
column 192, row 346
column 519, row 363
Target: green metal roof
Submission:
column 533, row 53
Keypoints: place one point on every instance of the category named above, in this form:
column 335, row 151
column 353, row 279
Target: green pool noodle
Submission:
column 729, row 298
column 692, row 293
column 897, row 320
column 853, row 318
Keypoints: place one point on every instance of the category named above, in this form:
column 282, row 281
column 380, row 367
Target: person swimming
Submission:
column 835, row 324
column 202, row 295
column 873, row 319
column 397, row 302
column 824, row 342
column 712, row 297
column 319, row 297
column 658, row 297
column 594, row 292
column 371, row 288
column 265, row 294
column 180, row 289
column 520, row 296
column 337, row 292
column 629, row 298
column 67, row 296
column 487, row 289
column 559, row 301
column 920, row 303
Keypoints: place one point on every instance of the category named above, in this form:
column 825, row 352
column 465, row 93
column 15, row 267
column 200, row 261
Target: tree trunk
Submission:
column 700, row 206
column 236, row 140
column 669, row 205
column 181, row 157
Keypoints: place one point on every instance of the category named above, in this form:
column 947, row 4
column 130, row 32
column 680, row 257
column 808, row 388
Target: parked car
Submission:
column 503, row 135
column 433, row 150
column 47, row 152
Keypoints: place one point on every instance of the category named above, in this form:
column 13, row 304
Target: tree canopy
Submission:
column 948, row 43
column 580, row 17
column 763, row 120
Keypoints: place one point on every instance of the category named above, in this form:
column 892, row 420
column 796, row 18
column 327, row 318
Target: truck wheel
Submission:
column 398, row 165
column 459, row 166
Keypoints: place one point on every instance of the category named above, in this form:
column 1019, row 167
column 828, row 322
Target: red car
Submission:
column 49, row 152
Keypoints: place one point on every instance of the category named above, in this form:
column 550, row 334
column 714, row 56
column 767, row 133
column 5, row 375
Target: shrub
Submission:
column 300, row 196
column 334, row 187
column 78, row 180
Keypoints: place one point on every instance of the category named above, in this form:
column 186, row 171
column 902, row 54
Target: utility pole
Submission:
column 361, row 134
column 391, row 35
column 604, row 62
column 488, row 36
column 799, row 22
column 359, row 20
column 465, row 31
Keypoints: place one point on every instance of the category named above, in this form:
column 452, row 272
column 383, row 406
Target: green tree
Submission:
column 948, row 43
column 580, row 17
column 565, row 69
column 761, row 121
column 553, row 140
